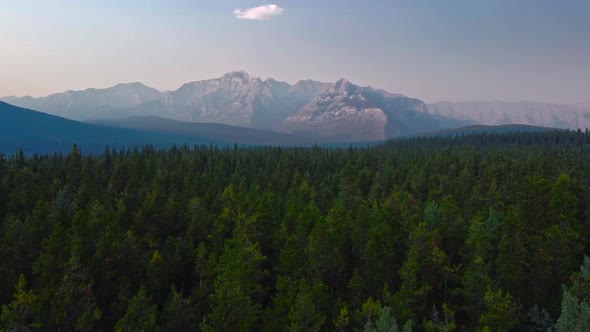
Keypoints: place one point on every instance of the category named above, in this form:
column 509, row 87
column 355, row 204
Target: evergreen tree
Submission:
column 304, row 314
column 141, row 314
column 75, row 167
column 575, row 307
column 421, row 275
column 20, row 314
column 329, row 249
column 500, row 313
column 236, row 288
column 74, row 307
column 477, row 232
column 179, row 314
column 386, row 323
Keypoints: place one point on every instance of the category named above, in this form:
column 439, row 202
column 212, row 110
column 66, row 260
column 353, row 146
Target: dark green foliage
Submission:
column 141, row 314
column 19, row 315
column 386, row 322
column 474, row 233
column 179, row 313
column 236, row 288
column 499, row 313
column 575, row 307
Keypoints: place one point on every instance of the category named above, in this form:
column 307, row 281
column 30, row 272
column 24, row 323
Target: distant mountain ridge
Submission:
column 326, row 112
column 78, row 105
column 235, row 98
column 339, row 112
column 525, row 112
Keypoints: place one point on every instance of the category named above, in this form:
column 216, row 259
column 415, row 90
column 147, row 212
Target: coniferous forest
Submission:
column 487, row 232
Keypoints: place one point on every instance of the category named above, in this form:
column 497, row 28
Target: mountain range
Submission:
column 235, row 98
column 321, row 112
column 492, row 113
column 338, row 112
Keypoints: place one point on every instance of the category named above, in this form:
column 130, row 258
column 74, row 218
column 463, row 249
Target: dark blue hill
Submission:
column 37, row 132
column 214, row 131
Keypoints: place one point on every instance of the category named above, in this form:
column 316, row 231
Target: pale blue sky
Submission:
column 429, row 49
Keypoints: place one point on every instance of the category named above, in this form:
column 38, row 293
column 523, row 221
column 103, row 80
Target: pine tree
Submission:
column 75, row 167
column 421, row 274
column 342, row 322
column 329, row 249
column 74, row 307
column 141, row 314
column 304, row 314
column 179, row 314
column 575, row 314
column 500, row 313
column 575, row 307
column 2, row 188
column 157, row 277
column 386, row 323
column 476, row 276
column 20, row 314
column 234, row 305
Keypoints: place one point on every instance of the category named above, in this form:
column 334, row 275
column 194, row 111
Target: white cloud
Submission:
column 259, row 13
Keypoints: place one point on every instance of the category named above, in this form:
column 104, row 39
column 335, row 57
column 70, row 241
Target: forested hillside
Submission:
column 475, row 233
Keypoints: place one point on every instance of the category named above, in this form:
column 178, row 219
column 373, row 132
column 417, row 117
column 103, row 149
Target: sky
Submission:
column 429, row 49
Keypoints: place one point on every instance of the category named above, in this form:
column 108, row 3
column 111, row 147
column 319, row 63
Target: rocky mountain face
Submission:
column 235, row 99
column 304, row 91
column 348, row 112
column 344, row 111
column 526, row 113
column 239, row 99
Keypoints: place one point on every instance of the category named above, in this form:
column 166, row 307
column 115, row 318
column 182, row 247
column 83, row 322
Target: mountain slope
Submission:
column 528, row 113
column 341, row 113
column 37, row 132
column 214, row 131
column 88, row 103
column 348, row 112
column 235, row 98
column 304, row 91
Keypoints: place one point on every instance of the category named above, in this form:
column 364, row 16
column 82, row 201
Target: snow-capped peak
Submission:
column 238, row 74
column 344, row 86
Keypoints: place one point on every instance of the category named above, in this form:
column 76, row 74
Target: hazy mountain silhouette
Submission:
column 323, row 112
column 215, row 131
column 37, row 132
column 524, row 112
column 239, row 99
